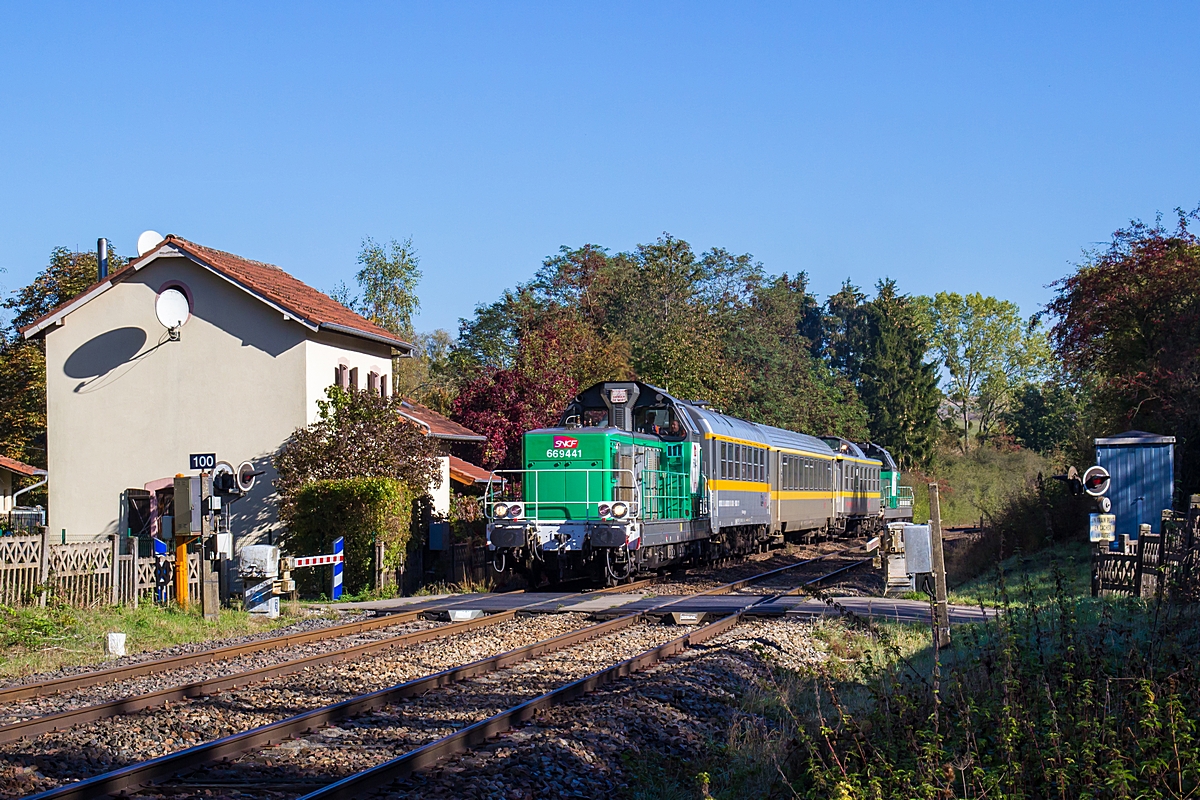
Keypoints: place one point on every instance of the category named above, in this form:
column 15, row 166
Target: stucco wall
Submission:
column 325, row 351
column 126, row 406
column 6, row 490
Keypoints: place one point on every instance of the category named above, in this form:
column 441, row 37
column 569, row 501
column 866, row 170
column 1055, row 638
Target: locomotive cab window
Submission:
column 660, row 421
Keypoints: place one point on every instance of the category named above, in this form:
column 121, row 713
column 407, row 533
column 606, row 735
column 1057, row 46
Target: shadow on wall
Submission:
column 99, row 361
column 255, row 517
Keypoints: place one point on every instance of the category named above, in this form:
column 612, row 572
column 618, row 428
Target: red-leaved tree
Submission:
column 502, row 404
column 1129, row 329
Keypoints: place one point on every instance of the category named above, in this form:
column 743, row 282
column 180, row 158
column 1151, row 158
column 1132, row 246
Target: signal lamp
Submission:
column 604, row 509
column 516, row 511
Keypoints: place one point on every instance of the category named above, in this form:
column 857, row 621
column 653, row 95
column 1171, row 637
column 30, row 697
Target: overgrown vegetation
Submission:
column 37, row 639
column 363, row 511
column 1063, row 696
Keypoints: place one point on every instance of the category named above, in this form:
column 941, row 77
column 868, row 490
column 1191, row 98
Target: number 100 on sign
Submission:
column 202, row 460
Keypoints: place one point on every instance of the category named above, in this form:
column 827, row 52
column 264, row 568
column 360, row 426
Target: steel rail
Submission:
column 63, row 720
column 146, row 772
column 733, row 586
column 97, row 677
column 355, row 786
column 137, row 775
column 69, row 718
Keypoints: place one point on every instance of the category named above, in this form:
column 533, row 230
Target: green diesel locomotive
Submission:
column 634, row 480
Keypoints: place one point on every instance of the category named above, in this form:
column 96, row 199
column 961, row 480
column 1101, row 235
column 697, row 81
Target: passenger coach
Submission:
column 634, row 479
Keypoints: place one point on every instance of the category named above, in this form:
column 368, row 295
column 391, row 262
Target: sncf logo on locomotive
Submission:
column 565, row 447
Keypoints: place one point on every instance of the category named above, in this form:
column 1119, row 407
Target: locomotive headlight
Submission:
column 500, row 510
column 619, row 509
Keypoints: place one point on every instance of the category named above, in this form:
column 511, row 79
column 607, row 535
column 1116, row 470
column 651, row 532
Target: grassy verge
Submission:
column 1063, row 696
column 43, row 639
column 1038, row 578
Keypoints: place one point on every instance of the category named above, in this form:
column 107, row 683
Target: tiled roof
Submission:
column 438, row 426
column 468, row 473
column 266, row 281
column 19, row 467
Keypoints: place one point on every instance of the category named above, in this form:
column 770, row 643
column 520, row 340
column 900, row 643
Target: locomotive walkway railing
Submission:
column 544, row 493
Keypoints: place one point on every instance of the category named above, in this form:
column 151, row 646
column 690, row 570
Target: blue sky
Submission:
column 965, row 147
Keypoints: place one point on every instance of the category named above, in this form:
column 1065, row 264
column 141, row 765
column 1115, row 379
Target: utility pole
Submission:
column 942, row 609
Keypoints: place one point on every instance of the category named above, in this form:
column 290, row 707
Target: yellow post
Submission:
column 181, row 571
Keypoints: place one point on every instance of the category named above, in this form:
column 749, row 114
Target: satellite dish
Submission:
column 172, row 309
column 147, row 241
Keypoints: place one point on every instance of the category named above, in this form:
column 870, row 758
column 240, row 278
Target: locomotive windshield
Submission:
column 659, row 421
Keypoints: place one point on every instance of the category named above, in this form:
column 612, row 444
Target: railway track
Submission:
column 25, row 722
column 572, row 675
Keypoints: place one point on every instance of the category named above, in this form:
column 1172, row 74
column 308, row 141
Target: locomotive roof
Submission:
column 876, row 451
column 725, row 425
column 846, row 446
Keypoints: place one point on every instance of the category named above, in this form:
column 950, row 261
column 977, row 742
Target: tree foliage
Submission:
column 356, row 435
column 897, row 386
column 1128, row 329
column 709, row 327
column 362, row 511
column 387, row 285
column 1045, row 417
column 987, row 350
column 771, row 338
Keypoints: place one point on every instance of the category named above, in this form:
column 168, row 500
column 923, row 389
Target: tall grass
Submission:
column 1062, row 697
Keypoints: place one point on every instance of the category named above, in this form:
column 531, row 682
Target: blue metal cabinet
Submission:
column 1142, row 466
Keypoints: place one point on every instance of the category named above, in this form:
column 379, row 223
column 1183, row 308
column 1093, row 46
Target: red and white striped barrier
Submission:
column 315, row 561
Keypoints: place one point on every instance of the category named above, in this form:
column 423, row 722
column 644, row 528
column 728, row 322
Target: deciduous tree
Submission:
column 1128, row 326
column 987, row 350
column 356, row 435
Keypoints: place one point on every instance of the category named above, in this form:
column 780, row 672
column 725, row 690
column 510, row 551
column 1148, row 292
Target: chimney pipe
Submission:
column 102, row 258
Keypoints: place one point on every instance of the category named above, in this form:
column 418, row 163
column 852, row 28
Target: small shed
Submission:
column 1142, row 466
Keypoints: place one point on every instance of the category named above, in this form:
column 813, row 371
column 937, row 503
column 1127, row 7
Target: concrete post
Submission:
column 942, row 610
column 136, row 565
column 379, row 576
column 115, row 570
column 43, row 564
column 210, row 587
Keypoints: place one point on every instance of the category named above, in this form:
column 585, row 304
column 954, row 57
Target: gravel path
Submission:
column 337, row 751
column 34, row 765
column 145, row 684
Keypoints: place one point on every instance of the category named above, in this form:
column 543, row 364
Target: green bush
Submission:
column 362, row 511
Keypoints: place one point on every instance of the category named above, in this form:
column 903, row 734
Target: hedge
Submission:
column 362, row 511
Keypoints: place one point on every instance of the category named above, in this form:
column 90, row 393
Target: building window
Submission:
column 342, row 376
column 385, row 386
column 354, row 379
column 373, row 382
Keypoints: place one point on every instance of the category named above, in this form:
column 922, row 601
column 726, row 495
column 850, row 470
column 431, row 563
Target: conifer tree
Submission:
column 897, row 387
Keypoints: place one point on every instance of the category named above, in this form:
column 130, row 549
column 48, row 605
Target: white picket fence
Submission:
column 85, row 574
